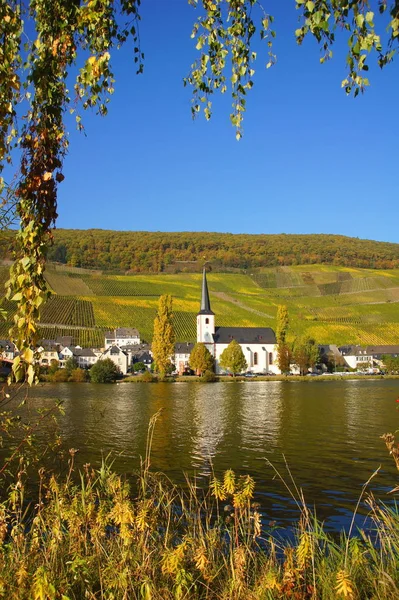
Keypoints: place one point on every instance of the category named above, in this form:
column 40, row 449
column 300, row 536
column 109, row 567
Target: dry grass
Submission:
column 94, row 539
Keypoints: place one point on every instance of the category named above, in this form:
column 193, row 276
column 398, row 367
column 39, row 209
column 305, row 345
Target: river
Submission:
column 327, row 432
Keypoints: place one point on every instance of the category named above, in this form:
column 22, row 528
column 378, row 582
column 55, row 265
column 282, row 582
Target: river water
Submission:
column 327, row 432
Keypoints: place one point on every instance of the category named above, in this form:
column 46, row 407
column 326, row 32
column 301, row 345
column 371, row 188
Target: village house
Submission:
column 122, row 336
column 47, row 352
column 8, row 350
column 138, row 353
column 257, row 343
column 118, row 356
column 182, row 357
column 85, row 357
column 367, row 357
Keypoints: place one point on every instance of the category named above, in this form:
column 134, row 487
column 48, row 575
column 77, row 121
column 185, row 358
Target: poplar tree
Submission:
column 232, row 358
column 282, row 324
column 284, row 352
column 201, row 359
column 163, row 341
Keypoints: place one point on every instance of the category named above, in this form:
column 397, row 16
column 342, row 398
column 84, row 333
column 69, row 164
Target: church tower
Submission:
column 205, row 317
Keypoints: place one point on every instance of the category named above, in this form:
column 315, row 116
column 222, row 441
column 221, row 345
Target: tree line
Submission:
column 157, row 252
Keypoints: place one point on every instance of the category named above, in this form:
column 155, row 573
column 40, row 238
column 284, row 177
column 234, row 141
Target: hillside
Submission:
column 332, row 304
column 157, row 252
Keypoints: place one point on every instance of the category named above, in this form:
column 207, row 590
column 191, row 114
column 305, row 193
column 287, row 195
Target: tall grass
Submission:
column 93, row 538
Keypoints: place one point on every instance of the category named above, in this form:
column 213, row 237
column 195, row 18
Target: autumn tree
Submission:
column 284, row 358
column 201, row 359
column 232, row 358
column 163, row 341
column 305, row 354
column 391, row 363
column 284, row 352
column 282, row 324
column 81, row 37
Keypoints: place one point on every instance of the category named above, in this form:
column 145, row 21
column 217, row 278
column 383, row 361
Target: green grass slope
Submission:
column 332, row 304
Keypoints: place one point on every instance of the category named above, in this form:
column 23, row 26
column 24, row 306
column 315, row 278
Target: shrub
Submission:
column 104, row 371
column 71, row 364
column 147, row 377
column 54, row 366
column 59, row 376
column 138, row 366
column 208, row 377
column 78, row 375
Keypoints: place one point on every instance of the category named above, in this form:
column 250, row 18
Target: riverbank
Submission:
column 284, row 378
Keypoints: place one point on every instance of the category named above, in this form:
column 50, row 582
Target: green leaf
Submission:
column 310, row 6
column 359, row 20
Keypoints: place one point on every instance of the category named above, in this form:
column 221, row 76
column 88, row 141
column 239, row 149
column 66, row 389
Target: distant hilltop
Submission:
column 169, row 252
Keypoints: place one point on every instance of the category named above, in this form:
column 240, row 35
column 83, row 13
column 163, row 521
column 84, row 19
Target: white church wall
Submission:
column 205, row 328
column 262, row 358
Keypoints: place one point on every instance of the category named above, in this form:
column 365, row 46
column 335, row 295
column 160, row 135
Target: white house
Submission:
column 85, row 357
column 182, row 356
column 122, row 336
column 47, row 353
column 7, row 350
column 65, row 354
column 257, row 343
column 118, row 356
column 367, row 357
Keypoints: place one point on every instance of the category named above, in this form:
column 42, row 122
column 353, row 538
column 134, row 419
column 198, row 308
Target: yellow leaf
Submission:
column 344, row 585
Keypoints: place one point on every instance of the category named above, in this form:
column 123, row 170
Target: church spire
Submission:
column 205, row 302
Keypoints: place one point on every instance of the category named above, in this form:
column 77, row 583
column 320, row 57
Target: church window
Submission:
column 270, row 358
column 207, row 321
column 255, row 358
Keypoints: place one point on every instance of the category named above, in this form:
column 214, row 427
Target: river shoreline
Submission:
column 242, row 379
column 283, row 378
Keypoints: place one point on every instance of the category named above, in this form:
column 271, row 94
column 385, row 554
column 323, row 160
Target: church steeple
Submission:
column 205, row 317
column 205, row 302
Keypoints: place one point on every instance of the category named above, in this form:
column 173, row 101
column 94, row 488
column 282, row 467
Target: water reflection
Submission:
column 328, row 434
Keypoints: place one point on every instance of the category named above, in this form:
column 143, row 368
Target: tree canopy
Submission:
column 104, row 371
column 201, row 359
column 232, row 358
column 171, row 252
column 305, row 354
column 284, row 352
column 44, row 42
column 282, row 324
column 163, row 341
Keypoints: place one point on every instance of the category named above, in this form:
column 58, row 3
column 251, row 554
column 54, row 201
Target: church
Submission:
column 257, row 343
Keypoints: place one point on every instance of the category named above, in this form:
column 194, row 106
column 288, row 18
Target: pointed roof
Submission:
column 205, row 302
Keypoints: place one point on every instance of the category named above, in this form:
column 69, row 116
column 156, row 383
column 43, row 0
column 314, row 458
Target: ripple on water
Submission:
column 327, row 432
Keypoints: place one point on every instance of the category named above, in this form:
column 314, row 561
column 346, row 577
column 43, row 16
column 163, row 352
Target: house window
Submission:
column 255, row 358
column 207, row 321
column 270, row 358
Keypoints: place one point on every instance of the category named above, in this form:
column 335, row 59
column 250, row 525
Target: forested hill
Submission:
column 141, row 251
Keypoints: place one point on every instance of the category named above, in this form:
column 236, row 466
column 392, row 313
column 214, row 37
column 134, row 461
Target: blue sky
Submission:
column 312, row 160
